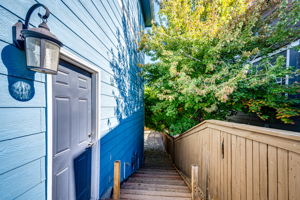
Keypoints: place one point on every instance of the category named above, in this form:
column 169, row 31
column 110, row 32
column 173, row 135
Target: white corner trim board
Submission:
column 96, row 87
column 49, row 138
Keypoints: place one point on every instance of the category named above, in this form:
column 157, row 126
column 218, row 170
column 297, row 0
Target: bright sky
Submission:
column 156, row 9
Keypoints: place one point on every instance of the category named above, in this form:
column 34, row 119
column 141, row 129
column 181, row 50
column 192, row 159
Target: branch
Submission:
column 189, row 56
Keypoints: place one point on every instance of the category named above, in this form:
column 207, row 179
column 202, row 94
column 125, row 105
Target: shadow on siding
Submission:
column 82, row 173
column 126, row 73
column 20, row 79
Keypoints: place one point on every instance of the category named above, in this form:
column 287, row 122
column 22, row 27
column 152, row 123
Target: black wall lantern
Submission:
column 41, row 46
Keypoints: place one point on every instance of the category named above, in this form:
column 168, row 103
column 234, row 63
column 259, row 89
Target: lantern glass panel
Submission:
column 33, row 51
column 51, row 55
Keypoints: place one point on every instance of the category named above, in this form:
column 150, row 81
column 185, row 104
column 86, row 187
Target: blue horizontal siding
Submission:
column 36, row 193
column 122, row 140
column 121, row 143
column 114, row 10
column 21, row 151
column 107, row 18
column 98, row 32
column 18, row 92
column 105, row 32
column 108, row 112
column 126, row 123
column 22, row 115
column 125, row 141
column 122, row 150
column 17, row 182
column 108, row 125
column 20, row 122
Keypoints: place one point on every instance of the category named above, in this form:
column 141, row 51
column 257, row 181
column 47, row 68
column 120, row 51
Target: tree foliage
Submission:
column 203, row 52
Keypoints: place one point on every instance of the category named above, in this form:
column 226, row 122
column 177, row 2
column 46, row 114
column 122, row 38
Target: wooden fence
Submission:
column 239, row 162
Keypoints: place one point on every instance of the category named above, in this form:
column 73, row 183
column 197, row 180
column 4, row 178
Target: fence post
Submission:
column 116, row 191
column 194, row 181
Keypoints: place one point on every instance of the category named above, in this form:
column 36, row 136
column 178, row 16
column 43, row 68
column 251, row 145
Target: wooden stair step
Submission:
column 156, row 181
column 168, row 172
column 161, row 164
column 151, row 197
column 155, row 193
column 164, row 176
column 165, row 160
column 157, row 170
column 154, row 187
column 158, row 167
column 151, row 185
column 158, row 173
column 148, row 168
column 159, row 160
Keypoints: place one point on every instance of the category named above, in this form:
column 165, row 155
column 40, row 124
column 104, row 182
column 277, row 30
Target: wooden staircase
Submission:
column 158, row 179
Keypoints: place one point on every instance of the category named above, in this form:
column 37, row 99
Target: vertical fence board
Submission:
column 238, row 168
column 188, row 156
column 199, row 157
column 183, row 150
column 226, row 156
column 210, row 158
column 249, row 171
column 234, row 167
column 229, row 167
column 214, row 164
column 294, row 174
column 272, row 169
column 206, row 160
column 263, row 171
column 243, row 168
column 218, row 172
column 222, row 165
column 282, row 174
column 196, row 153
column 256, row 171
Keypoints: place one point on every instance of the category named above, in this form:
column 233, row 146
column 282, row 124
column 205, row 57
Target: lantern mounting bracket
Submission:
column 18, row 37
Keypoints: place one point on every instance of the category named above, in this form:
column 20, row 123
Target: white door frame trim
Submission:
column 96, row 91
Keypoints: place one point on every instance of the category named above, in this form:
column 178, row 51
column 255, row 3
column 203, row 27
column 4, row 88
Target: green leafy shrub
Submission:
column 203, row 51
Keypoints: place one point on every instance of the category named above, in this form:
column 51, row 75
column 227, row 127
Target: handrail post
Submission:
column 116, row 191
column 194, row 181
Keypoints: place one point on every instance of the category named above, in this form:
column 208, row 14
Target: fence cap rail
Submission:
column 256, row 129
